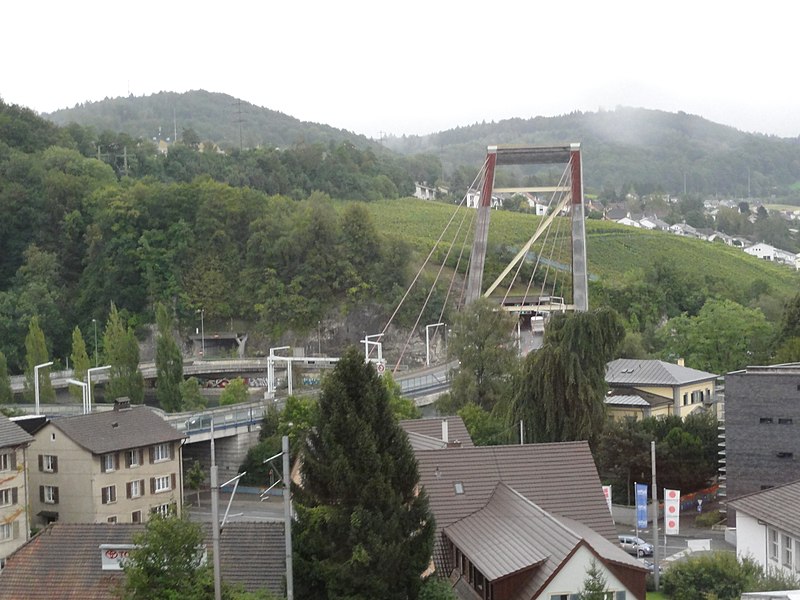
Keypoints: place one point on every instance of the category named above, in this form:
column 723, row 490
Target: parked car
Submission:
column 635, row 545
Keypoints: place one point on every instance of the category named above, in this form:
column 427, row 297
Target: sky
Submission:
column 415, row 67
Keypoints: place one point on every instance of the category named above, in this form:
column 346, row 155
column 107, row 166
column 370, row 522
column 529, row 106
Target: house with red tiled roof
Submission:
column 523, row 522
column 81, row 561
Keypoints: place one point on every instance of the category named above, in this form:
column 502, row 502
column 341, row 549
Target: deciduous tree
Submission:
column 36, row 354
column 6, row 395
column 80, row 362
column 122, row 353
column 562, row 389
column 169, row 363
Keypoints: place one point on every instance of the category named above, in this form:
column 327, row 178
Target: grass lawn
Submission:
column 656, row 596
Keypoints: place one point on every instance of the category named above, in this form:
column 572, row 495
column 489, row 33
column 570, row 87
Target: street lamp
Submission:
column 85, row 395
column 428, row 342
column 89, row 393
column 36, row 382
column 202, row 312
column 367, row 341
column 94, row 321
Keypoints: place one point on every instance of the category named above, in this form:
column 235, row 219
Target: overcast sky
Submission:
column 414, row 66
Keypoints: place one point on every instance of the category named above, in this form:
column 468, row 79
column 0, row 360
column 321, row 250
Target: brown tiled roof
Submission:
column 12, row 434
column 777, row 506
column 432, row 427
column 63, row 560
column 511, row 535
column 113, row 430
column 561, row 478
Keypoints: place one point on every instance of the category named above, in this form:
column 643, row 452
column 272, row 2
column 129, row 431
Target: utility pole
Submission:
column 655, row 514
column 215, row 518
column 287, row 517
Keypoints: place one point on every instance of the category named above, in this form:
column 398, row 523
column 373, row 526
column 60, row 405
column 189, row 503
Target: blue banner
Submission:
column 641, row 505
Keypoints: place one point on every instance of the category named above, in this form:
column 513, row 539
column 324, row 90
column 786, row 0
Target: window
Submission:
column 685, row 399
column 772, row 536
column 136, row 516
column 786, row 551
column 160, row 452
column 8, row 496
column 797, row 556
column 786, row 421
column 48, row 463
column 765, row 420
column 135, row 489
column 133, row 458
column 164, row 510
column 112, row 519
column 48, row 494
column 6, row 531
column 161, row 484
column 109, row 462
column 109, row 494
column 459, row 487
column 5, row 461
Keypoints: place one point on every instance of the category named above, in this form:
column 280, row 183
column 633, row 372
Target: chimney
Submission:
column 121, row 404
column 445, row 432
column 680, row 363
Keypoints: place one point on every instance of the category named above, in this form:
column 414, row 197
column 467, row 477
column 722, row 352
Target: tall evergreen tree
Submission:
column 363, row 531
column 80, row 362
column 122, row 353
column 562, row 389
column 169, row 363
column 36, row 354
column 6, row 395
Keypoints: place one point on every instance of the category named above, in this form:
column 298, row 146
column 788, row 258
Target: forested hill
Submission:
column 649, row 150
column 214, row 117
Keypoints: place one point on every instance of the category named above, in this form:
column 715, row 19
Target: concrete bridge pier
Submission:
column 230, row 454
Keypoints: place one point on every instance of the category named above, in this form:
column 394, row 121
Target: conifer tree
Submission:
column 363, row 531
column 80, row 362
column 122, row 353
column 36, row 354
column 6, row 395
column 169, row 363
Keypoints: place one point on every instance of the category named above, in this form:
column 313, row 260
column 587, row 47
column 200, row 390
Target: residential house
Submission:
column 438, row 432
column 683, row 229
column 654, row 223
column 14, row 526
column 116, row 466
column 423, row 191
column 82, row 560
column 768, row 528
column 762, row 442
column 767, row 252
column 668, row 389
column 523, row 522
column 629, row 221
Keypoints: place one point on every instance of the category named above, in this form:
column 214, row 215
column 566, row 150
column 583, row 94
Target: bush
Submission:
column 436, row 588
column 708, row 519
column 718, row 575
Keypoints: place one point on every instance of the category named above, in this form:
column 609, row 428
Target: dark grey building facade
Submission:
column 761, row 429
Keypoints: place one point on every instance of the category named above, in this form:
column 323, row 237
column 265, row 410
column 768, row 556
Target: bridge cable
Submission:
column 430, row 254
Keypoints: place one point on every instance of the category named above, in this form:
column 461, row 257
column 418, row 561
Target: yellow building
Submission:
column 13, row 487
column 117, row 466
column 653, row 388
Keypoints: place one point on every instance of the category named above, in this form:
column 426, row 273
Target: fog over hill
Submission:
column 626, row 148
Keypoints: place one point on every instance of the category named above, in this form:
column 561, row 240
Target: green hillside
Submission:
column 615, row 252
column 220, row 118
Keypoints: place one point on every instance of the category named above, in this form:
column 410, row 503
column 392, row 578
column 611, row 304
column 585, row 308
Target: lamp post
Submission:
column 202, row 312
column 271, row 387
column 89, row 393
column 85, row 391
column 367, row 341
column 36, row 382
column 94, row 322
column 428, row 342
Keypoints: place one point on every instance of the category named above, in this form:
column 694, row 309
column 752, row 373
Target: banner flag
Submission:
column 641, row 505
column 607, row 494
column 672, row 512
